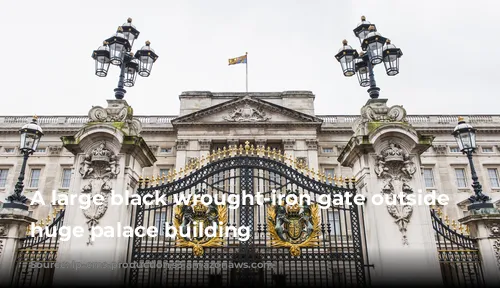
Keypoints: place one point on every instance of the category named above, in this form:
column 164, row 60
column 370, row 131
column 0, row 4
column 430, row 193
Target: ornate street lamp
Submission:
column 465, row 135
column 31, row 134
column 116, row 50
column 378, row 49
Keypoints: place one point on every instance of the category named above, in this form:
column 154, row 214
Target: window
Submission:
column 487, row 149
column 34, row 178
column 327, row 150
column 66, row 178
column 3, row 177
column 460, row 174
column 9, row 150
column 454, row 149
column 493, row 175
column 428, row 177
column 329, row 173
column 160, row 219
column 334, row 221
column 40, row 150
column 165, row 150
column 164, row 171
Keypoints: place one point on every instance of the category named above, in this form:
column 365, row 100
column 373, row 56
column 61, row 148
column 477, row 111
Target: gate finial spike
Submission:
column 252, row 149
column 169, row 176
column 274, row 153
column 241, row 149
column 247, row 147
column 224, row 151
column 269, row 152
column 279, row 155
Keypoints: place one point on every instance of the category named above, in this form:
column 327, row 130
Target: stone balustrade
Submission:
column 341, row 121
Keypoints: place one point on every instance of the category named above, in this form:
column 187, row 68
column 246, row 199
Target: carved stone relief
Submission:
column 205, row 144
column 440, row 149
column 117, row 111
column 395, row 168
column 181, row 144
column 247, row 113
column 378, row 111
column 3, row 230
column 289, row 144
column 55, row 150
column 98, row 168
column 154, row 148
column 312, row 144
column 494, row 229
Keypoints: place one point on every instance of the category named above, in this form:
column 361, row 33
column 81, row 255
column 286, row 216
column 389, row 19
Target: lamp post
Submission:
column 376, row 49
column 116, row 50
column 31, row 134
column 465, row 135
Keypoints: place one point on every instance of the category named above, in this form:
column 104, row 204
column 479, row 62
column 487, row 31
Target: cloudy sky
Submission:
column 47, row 68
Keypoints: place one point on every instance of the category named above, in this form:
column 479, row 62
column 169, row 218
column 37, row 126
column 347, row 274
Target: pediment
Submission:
column 247, row 110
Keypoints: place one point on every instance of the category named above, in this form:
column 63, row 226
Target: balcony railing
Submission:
column 335, row 120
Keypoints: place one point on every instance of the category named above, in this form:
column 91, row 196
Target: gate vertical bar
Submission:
column 245, row 254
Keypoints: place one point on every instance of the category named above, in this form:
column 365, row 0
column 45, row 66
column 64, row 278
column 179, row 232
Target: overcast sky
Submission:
column 47, row 68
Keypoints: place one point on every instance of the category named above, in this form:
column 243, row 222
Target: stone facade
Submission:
column 285, row 120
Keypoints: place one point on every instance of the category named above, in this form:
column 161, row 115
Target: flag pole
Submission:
column 246, row 65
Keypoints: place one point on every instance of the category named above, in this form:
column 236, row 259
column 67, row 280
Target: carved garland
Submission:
column 395, row 168
column 97, row 169
column 3, row 232
column 495, row 233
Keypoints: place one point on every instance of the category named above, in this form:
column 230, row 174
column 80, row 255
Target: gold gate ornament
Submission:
column 294, row 226
column 187, row 215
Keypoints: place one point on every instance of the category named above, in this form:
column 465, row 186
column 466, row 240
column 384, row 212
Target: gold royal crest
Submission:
column 188, row 215
column 294, row 226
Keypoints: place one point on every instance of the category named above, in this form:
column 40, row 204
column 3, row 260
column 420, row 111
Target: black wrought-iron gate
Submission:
column 288, row 244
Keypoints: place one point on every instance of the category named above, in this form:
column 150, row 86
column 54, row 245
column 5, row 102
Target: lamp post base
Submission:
column 480, row 205
column 15, row 205
column 120, row 93
column 373, row 92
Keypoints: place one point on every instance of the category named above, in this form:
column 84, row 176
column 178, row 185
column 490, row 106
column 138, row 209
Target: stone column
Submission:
column 109, row 157
column 384, row 154
column 484, row 225
column 180, row 156
column 204, row 147
column 13, row 223
column 289, row 147
column 312, row 154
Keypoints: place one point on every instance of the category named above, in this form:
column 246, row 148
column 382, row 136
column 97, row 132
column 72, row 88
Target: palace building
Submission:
column 258, row 142
column 285, row 121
